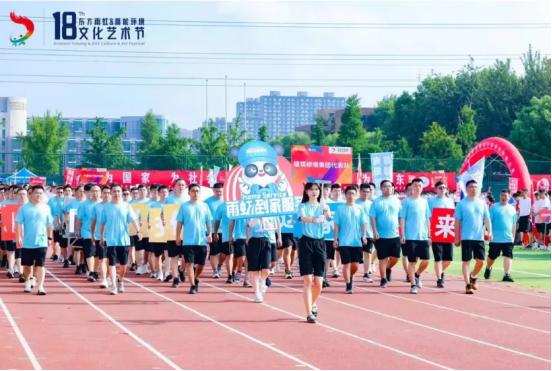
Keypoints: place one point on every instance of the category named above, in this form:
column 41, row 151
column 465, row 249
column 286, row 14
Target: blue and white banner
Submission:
column 382, row 168
column 474, row 172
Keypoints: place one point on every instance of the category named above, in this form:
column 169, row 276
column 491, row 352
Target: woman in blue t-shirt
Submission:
column 312, row 249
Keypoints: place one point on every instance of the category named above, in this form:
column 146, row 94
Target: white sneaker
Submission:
column 41, row 291
column 258, row 297
column 237, row 277
column 109, row 283
column 113, row 291
column 160, row 276
column 104, row 284
column 278, row 268
column 216, row 274
column 60, row 259
column 336, row 272
column 264, row 287
column 27, row 286
column 121, row 287
column 33, row 282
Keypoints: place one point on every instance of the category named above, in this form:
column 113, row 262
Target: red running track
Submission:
column 153, row 326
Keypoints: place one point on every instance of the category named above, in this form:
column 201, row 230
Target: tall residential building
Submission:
column 13, row 121
column 79, row 127
column 283, row 114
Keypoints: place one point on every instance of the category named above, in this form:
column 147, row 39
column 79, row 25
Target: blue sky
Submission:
column 186, row 105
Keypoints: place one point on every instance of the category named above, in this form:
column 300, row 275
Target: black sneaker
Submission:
column 54, row 257
column 487, row 273
column 325, row 283
column 196, row 285
column 443, row 277
column 66, row 264
column 10, row 274
column 440, row 284
column 193, row 290
column 349, row 288
column 507, row 278
column 21, row 279
column 181, row 275
column 388, row 274
column 4, row 262
column 229, row 280
column 383, row 283
column 168, row 278
column 78, row 270
column 176, row 283
column 133, row 267
column 268, row 282
column 71, row 260
column 311, row 318
column 473, row 283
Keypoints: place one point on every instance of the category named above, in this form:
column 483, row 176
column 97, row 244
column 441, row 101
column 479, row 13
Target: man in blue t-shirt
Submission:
column 349, row 235
column 503, row 220
column 471, row 218
column 414, row 225
column 384, row 217
column 215, row 257
column 34, row 231
column 56, row 204
column 114, row 232
column 193, row 233
column 85, row 213
column 365, row 202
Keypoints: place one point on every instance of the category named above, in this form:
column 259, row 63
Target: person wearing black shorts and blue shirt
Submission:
column 222, row 229
column 215, row 258
column 101, row 254
column 193, row 233
column 34, row 231
column 114, row 235
column 414, row 226
column 259, row 231
column 503, row 220
column 312, row 249
column 471, row 217
column 384, row 217
column 349, row 235
column 365, row 202
column 442, row 252
column 83, row 230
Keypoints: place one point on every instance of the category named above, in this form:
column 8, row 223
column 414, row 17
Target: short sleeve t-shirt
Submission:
column 503, row 219
column 115, row 218
column 472, row 215
column 312, row 230
column 385, row 210
column 194, row 219
column 35, row 220
column 350, row 219
column 415, row 213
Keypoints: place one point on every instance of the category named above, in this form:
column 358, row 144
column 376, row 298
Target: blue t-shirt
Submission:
column 262, row 227
column 503, row 219
column 116, row 218
column 350, row 219
column 85, row 214
column 386, row 212
column 213, row 203
column 96, row 215
column 72, row 204
column 329, row 224
column 366, row 205
column 415, row 212
column 472, row 215
column 35, row 220
column 56, row 205
column 312, row 230
column 222, row 215
column 440, row 203
column 287, row 223
column 239, row 232
column 194, row 219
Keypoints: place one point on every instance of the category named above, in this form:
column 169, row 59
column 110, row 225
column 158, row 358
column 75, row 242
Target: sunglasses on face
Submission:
column 126, row 194
column 252, row 170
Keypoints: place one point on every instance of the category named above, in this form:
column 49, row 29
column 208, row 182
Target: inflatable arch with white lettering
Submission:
column 507, row 152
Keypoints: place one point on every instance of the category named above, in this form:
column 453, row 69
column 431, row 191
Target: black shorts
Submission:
column 30, row 257
column 2, row 245
column 157, row 248
column 273, row 252
column 57, row 237
column 524, row 224
column 369, row 246
column 89, row 248
column 473, row 250
column 506, row 248
column 404, row 249
column 259, row 254
column 330, row 251
column 312, row 256
column 214, row 247
column 117, row 255
column 288, row 240
column 388, row 247
column 543, row 228
column 101, row 252
column 173, row 250
column 226, row 249
column 134, row 241
column 141, row 244
column 195, row 254
column 442, row 251
column 77, row 244
column 10, row 246
column 63, row 243
column 17, row 254
column 350, row 254
column 239, row 248
column 417, row 250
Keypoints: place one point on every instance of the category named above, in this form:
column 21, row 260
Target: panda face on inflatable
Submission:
column 261, row 172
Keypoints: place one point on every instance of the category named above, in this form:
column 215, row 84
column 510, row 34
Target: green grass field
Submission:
column 530, row 268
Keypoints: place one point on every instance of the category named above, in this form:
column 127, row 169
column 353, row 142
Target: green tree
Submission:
column 536, row 78
column 402, row 149
column 351, row 132
column 330, row 140
column 263, row 133
column 104, row 150
column 287, row 141
column 318, row 132
column 438, row 144
column 531, row 130
column 177, row 152
column 42, row 146
column 212, row 147
column 151, row 136
column 467, row 130
column 384, row 113
column 237, row 136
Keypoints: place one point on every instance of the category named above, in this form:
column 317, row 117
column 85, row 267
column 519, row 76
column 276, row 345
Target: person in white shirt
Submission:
column 524, row 222
column 542, row 224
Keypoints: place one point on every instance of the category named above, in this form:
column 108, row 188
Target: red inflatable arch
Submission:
column 507, row 152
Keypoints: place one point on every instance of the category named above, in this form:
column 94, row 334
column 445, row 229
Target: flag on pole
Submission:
column 474, row 172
